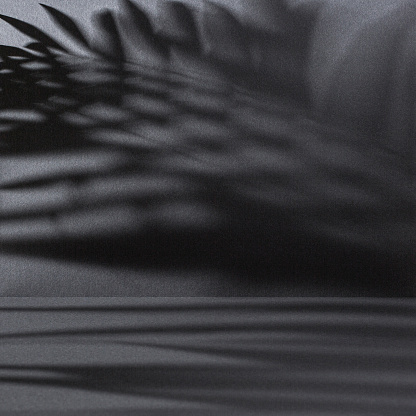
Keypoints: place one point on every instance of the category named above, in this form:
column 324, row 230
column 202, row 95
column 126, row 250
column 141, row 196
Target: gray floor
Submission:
column 205, row 356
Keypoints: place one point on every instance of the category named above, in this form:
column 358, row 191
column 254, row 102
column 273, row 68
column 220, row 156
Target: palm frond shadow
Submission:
column 298, row 355
column 147, row 382
column 219, row 386
column 166, row 106
column 281, row 383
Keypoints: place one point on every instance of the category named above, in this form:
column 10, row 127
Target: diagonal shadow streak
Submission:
column 379, row 306
column 322, row 354
column 380, row 329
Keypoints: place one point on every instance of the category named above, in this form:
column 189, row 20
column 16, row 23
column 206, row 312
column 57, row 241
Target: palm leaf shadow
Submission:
column 251, row 235
column 68, row 24
column 33, row 32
